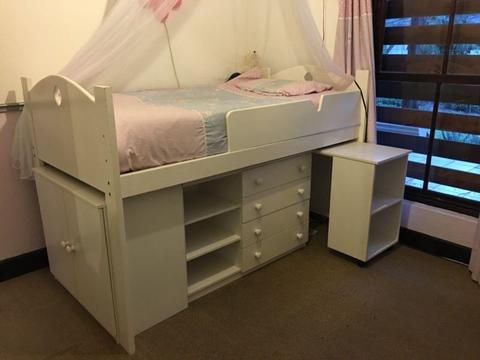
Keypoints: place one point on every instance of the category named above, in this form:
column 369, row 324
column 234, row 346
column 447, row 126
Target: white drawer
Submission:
column 279, row 198
column 267, row 226
column 268, row 249
column 275, row 174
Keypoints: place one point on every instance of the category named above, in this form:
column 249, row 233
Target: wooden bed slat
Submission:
column 407, row 8
column 432, row 34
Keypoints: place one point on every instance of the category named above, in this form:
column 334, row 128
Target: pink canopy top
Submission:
column 161, row 8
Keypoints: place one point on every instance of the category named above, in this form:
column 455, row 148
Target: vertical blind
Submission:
column 428, row 97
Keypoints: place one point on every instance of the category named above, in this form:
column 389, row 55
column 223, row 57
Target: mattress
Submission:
column 158, row 127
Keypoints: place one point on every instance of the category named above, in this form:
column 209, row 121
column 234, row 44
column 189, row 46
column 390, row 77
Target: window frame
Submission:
column 425, row 195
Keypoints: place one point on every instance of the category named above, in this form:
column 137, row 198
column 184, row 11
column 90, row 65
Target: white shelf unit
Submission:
column 384, row 230
column 201, row 205
column 212, row 233
column 208, row 270
column 388, row 184
column 366, row 198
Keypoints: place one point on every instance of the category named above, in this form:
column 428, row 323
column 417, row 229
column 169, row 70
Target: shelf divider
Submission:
column 202, row 205
column 205, row 237
column 207, row 271
column 380, row 203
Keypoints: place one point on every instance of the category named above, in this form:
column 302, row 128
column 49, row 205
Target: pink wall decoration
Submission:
column 161, row 8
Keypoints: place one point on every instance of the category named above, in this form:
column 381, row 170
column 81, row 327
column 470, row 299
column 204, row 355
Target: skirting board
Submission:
column 23, row 264
column 435, row 246
column 420, row 241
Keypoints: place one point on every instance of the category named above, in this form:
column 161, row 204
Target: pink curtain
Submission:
column 475, row 259
column 354, row 49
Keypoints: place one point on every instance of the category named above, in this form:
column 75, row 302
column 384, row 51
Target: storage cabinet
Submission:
column 275, row 210
column 210, row 233
column 238, row 222
column 366, row 196
column 74, row 227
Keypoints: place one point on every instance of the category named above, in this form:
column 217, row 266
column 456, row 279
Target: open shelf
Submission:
column 203, row 205
column 382, row 202
column 384, row 229
column 212, row 220
column 210, row 269
column 207, row 236
column 389, row 180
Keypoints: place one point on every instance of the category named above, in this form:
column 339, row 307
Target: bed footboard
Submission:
column 264, row 125
column 71, row 131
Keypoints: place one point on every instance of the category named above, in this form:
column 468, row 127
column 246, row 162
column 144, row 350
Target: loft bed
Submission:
column 75, row 132
column 141, row 216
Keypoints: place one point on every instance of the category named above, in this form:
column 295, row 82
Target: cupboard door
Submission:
column 90, row 258
column 54, row 220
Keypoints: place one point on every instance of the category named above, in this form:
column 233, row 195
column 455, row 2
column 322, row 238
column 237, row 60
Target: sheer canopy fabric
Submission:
column 141, row 43
column 213, row 37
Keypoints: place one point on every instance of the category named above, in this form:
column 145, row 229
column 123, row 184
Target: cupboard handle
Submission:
column 258, row 181
column 63, row 244
column 258, row 207
column 300, row 236
column 257, row 254
column 300, row 214
column 257, row 232
column 70, row 248
column 301, row 191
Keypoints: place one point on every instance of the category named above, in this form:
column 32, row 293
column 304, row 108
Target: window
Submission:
column 428, row 96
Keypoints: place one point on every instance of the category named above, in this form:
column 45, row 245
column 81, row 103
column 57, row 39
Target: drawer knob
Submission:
column 63, row 244
column 70, row 248
column 301, row 192
column 258, row 206
column 302, row 168
column 258, row 181
column 257, row 254
column 258, row 232
column 300, row 236
column 300, row 214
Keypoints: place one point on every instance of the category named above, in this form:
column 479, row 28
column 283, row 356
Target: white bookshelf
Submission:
column 366, row 198
column 209, row 235
column 380, row 203
column 200, row 206
column 384, row 230
column 212, row 268
column 212, row 233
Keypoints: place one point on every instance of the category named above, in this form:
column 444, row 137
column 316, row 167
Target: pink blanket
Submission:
column 150, row 135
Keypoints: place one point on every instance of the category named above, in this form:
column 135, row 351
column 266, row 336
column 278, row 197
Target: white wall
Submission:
column 331, row 14
column 38, row 37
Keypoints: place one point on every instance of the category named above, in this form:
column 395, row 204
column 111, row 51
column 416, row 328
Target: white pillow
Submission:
column 296, row 73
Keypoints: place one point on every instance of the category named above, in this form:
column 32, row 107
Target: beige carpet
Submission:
column 312, row 304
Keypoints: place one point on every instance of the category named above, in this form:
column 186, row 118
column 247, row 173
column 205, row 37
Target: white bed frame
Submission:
column 74, row 132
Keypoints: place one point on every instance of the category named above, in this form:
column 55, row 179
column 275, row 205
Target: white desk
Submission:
column 368, row 183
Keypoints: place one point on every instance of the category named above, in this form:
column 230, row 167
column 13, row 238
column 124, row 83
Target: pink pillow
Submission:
column 253, row 73
column 280, row 87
